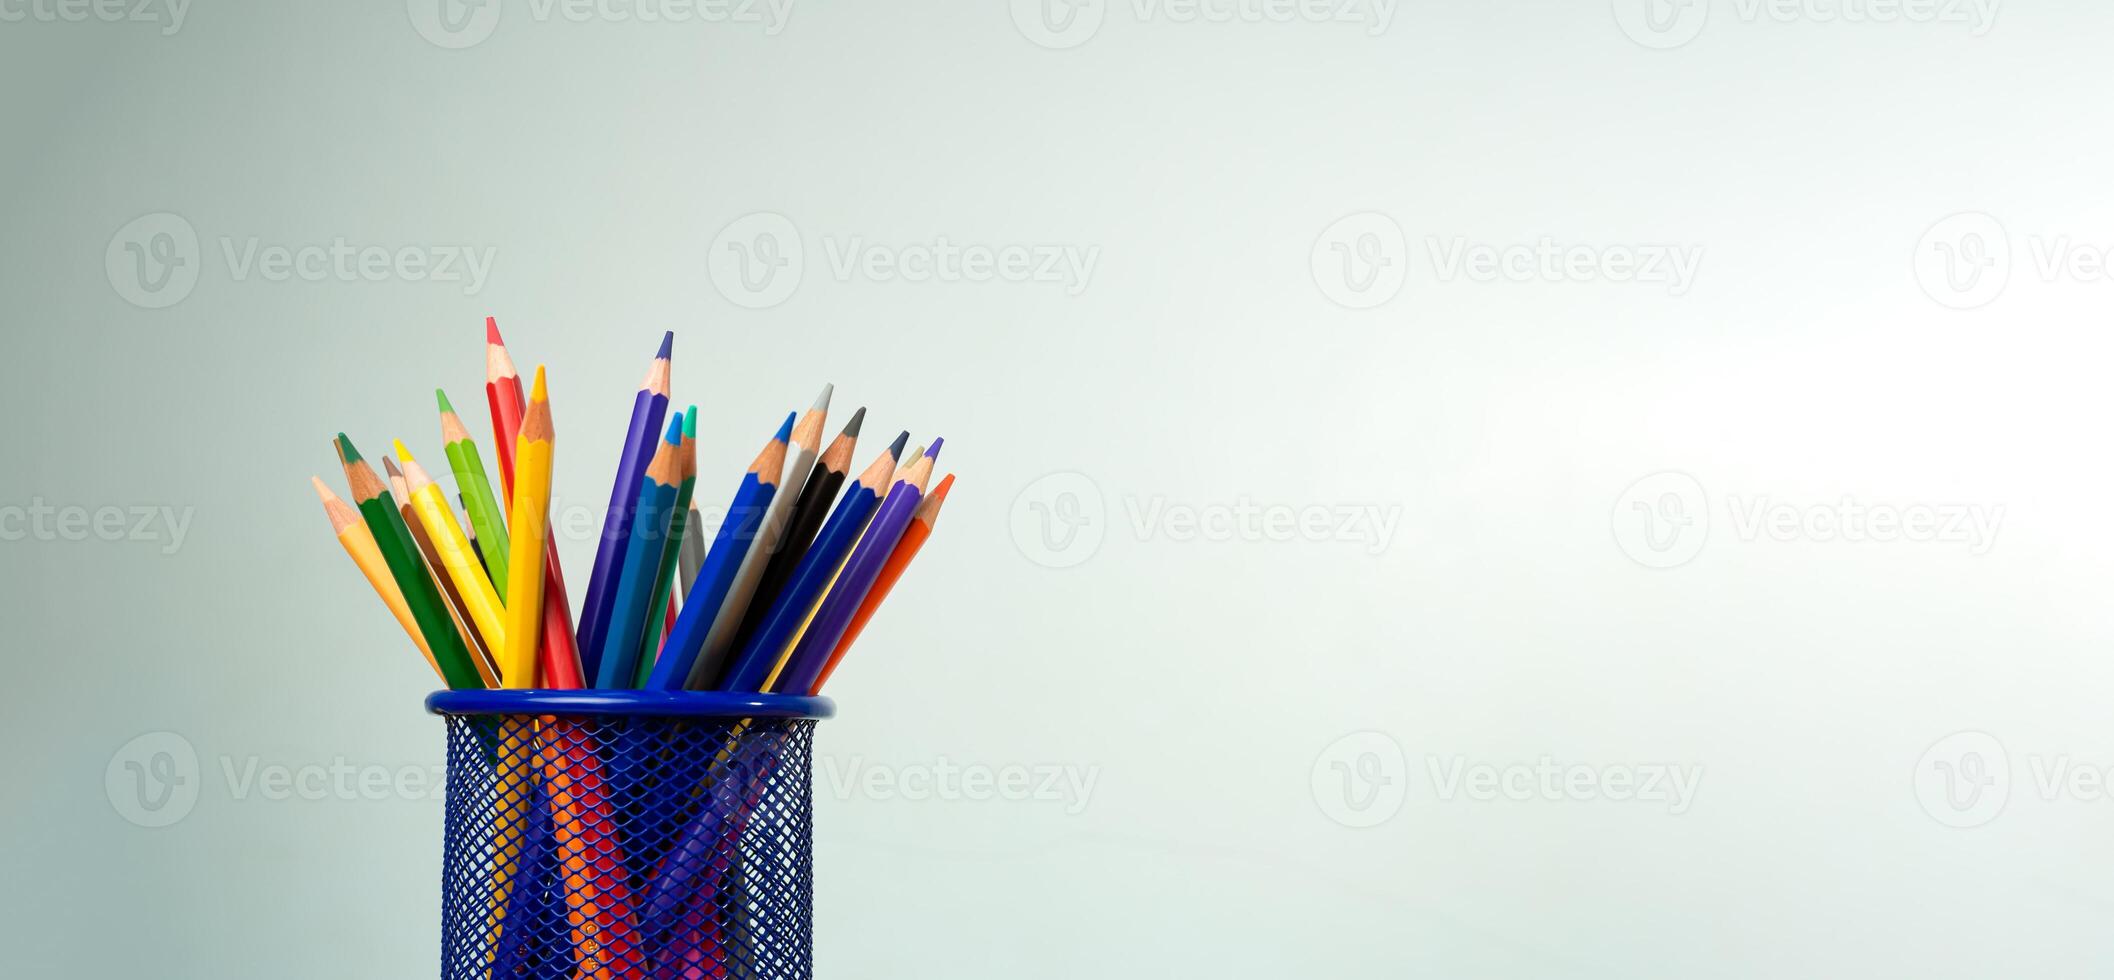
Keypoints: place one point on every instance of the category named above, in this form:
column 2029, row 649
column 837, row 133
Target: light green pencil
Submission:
column 485, row 511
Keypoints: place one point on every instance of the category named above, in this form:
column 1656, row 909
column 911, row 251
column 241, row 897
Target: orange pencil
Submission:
column 921, row 522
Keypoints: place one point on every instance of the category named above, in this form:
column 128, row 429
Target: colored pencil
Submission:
column 559, row 659
column 921, row 525
column 408, row 568
column 648, row 410
column 359, row 543
column 487, row 514
column 681, row 660
column 817, row 492
column 694, row 545
column 527, row 528
column 651, row 516
column 502, row 391
column 759, row 658
column 833, row 614
column 517, row 664
column 480, row 601
column 662, row 608
column 598, row 904
column 800, row 457
column 480, row 654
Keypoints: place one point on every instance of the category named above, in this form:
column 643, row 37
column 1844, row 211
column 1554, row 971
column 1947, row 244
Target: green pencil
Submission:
column 409, row 568
column 485, row 512
column 657, row 610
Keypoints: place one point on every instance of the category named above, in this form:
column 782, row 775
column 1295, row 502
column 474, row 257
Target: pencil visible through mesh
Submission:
column 638, row 847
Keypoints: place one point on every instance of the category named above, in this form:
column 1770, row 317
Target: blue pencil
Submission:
column 626, row 630
column 678, row 662
column 759, row 657
column 648, row 410
column 833, row 616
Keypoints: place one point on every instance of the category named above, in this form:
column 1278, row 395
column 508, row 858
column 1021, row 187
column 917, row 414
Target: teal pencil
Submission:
column 670, row 549
column 680, row 658
column 626, row 629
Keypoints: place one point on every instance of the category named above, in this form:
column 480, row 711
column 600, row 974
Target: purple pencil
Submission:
column 858, row 575
column 648, row 410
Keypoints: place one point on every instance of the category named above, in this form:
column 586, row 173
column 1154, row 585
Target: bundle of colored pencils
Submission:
column 768, row 601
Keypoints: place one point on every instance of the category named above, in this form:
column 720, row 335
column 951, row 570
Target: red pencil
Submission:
column 559, row 658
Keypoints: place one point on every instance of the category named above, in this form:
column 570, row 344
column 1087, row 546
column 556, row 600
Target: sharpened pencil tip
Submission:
column 675, row 432
column 667, row 346
column 934, row 452
column 851, row 428
column 822, row 400
column 346, row 450
column 491, row 332
column 895, row 448
column 690, row 423
column 401, row 452
column 939, row 493
column 322, row 489
column 537, row 392
column 443, row 397
column 785, row 431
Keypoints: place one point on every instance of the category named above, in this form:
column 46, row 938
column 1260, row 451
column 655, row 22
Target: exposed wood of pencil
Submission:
column 487, row 515
column 913, row 541
column 559, row 659
column 480, row 601
column 529, row 529
column 481, row 655
column 359, row 543
column 817, row 494
column 406, row 566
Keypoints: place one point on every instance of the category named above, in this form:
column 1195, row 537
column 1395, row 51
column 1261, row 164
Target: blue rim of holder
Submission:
column 616, row 704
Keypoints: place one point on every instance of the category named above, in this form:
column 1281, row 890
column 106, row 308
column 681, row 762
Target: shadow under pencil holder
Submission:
column 628, row 834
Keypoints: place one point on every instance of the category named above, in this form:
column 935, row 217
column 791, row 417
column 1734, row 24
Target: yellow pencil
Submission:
column 360, row 544
column 480, row 600
column 526, row 529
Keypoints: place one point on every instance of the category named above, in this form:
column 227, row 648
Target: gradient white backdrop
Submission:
column 1456, row 489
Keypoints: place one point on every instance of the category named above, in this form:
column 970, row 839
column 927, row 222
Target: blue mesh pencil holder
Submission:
column 628, row 834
